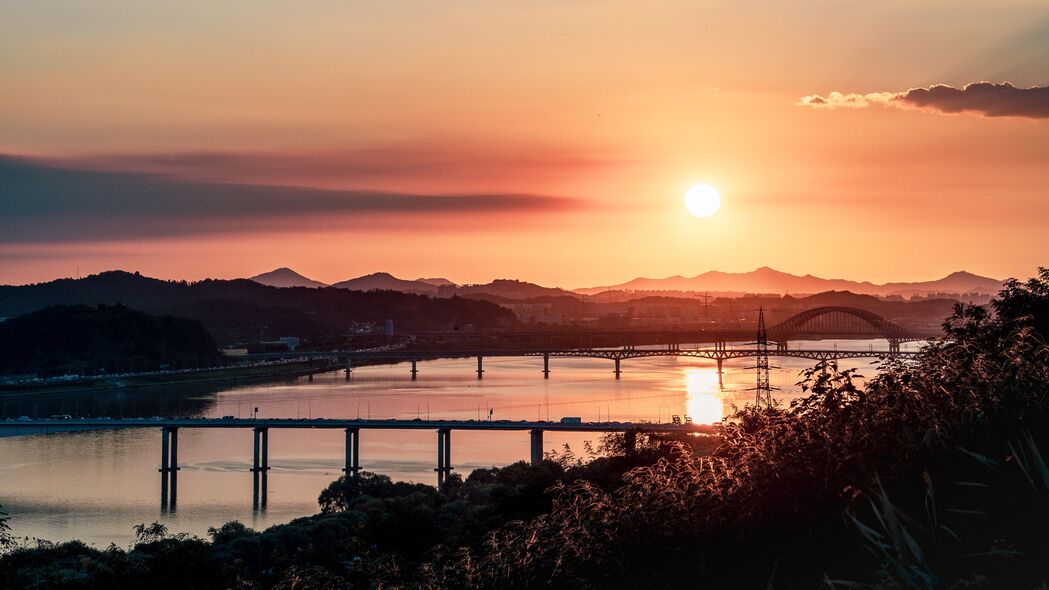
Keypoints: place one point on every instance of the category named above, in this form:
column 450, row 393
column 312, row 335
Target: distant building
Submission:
column 289, row 342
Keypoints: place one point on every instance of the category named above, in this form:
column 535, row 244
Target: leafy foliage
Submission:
column 6, row 540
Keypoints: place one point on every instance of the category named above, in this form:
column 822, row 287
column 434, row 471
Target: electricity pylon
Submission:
column 763, row 390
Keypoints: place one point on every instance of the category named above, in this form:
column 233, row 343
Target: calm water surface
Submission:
column 95, row 486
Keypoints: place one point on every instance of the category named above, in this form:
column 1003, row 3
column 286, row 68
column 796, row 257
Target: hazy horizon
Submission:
column 550, row 143
column 576, row 288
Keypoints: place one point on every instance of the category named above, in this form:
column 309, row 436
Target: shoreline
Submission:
column 231, row 375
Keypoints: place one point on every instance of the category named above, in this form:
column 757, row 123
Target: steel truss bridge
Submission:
column 840, row 322
column 719, row 354
column 820, row 322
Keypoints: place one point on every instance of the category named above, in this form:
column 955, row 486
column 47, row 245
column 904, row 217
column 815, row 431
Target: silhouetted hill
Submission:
column 386, row 281
column 285, row 277
column 768, row 280
column 110, row 337
column 438, row 281
column 505, row 288
column 956, row 282
column 511, row 289
column 242, row 309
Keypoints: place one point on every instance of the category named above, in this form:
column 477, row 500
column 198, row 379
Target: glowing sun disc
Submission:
column 702, row 200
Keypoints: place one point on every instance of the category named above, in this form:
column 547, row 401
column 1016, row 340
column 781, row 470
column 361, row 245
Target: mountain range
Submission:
column 768, row 280
column 239, row 309
column 285, row 277
column 761, row 280
column 384, row 281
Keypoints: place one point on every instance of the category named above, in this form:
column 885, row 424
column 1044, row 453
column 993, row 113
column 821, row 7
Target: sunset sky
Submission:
column 546, row 141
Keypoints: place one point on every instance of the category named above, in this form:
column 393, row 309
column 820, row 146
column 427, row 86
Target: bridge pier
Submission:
column 480, row 367
column 349, row 368
column 444, row 457
column 260, row 467
column 546, row 365
column 894, row 345
column 168, row 468
column 415, row 369
column 537, row 447
column 353, row 452
column 721, row 382
column 618, row 371
column 781, row 345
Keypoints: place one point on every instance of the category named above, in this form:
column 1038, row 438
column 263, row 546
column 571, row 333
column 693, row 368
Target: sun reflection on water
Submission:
column 705, row 404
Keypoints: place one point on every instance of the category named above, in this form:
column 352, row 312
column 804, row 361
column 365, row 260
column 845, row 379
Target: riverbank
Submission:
column 219, row 375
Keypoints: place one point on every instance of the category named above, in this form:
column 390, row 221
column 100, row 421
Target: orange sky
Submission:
column 612, row 109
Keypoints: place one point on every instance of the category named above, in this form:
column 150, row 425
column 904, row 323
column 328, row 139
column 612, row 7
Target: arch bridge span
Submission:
column 839, row 322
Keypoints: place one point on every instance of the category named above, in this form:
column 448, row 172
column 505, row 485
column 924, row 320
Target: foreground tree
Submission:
column 6, row 540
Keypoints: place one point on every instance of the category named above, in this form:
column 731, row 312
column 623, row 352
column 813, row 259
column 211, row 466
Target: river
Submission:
column 94, row 486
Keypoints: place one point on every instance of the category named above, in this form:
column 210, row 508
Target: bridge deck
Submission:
column 27, row 427
column 609, row 353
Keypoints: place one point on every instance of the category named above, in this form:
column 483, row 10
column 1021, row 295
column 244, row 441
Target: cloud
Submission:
column 838, row 100
column 44, row 203
column 984, row 98
column 453, row 166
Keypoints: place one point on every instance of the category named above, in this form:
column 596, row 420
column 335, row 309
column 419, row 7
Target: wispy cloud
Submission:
column 984, row 98
column 445, row 164
column 45, row 203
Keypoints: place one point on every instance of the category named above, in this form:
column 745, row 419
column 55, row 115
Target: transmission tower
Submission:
column 706, row 304
column 763, row 390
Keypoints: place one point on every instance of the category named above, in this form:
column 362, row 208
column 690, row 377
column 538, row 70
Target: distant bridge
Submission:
column 720, row 353
column 840, row 322
column 816, row 323
column 260, row 466
column 831, row 322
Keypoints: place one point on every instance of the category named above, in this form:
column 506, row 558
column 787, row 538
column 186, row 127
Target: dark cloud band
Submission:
column 984, row 98
column 43, row 203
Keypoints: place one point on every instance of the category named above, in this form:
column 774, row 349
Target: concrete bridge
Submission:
column 170, row 427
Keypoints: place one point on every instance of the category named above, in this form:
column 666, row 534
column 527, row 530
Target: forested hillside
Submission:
column 110, row 337
column 240, row 309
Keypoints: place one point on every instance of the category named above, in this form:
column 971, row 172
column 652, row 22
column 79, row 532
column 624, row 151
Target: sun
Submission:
column 702, row 200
